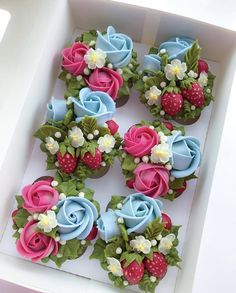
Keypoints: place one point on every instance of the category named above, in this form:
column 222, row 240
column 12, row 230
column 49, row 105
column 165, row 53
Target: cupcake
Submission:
column 101, row 61
column 80, row 138
column 157, row 159
column 175, row 82
column 54, row 220
column 137, row 242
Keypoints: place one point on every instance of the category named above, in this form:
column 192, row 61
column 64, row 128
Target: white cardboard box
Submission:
column 29, row 53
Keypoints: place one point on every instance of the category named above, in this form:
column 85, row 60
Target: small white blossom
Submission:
column 141, row 244
column 192, row 74
column 51, row 145
column 47, row 221
column 145, row 159
column 163, row 138
column 160, row 153
column 203, row 79
column 166, row 244
column 175, row 69
column 106, row 143
column 152, row 95
column 95, row 58
column 114, row 266
column 76, row 137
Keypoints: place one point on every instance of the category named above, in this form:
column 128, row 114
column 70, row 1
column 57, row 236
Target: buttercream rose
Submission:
column 35, row 245
column 73, row 58
column 56, row 109
column 117, row 46
column 152, row 62
column 186, row 154
column 151, row 180
column 107, row 225
column 95, row 104
column 138, row 141
column 39, row 196
column 138, row 210
column 75, row 218
column 105, row 80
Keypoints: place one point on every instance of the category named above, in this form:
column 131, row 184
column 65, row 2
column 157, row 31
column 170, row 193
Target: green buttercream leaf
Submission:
column 146, row 285
column 172, row 258
column 20, row 201
column 51, row 159
column 177, row 183
column 117, row 281
column 153, row 229
column 43, row 147
column 110, row 250
column 123, row 232
column 190, row 177
column 68, row 117
column 139, row 85
column 124, row 90
column 62, row 149
column 48, row 130
column 99, row 250
column 115, row 199
column 154, row 81
column 68, row 188
column 153, row 50
column 128, row 163
column 20, row 218
column 89, row 124
column 89, row 147
column 82, row 172
column 192, row 56
column 16, row 234
column 128, row 74
column 211, row 78
column 87, row 37
column 71, row 150
column 62, row 75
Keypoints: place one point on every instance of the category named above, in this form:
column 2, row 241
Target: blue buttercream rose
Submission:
column 138, row 210
column 186, row 154
column 75, row 218
column 56, row 109
column 107, row 225
column 95, row 104
column 177, row 47
column 117, row 46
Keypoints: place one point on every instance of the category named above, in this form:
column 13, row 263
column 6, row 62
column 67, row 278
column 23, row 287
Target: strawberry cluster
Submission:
column 82, row 149
column 177, row 88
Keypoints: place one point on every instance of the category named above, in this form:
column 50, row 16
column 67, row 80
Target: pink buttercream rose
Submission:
column 105, row 80
column 35, row 245
column 39, row 196
column 138, row 141
column 73, row 58
column 151, row 180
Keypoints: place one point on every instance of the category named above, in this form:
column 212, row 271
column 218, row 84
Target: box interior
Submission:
column 153, row 26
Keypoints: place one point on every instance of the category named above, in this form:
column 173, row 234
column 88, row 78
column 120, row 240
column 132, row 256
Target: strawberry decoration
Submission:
column 172, row 103
column 92, row 161
column 167, row 220
column 130, row 183
column 67, row 162
column 182, row 189
column 157, row 267
column 194, row 95
column 113, row 126
column 93, row 233
column 133, row 273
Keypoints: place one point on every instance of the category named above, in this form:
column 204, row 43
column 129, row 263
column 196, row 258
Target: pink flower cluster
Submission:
column 101, row 79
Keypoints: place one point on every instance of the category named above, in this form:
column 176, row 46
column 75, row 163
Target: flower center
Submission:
column 153, row 96
column 175, row 70
column 168, row 245
column 107, row 143
column 113, row 268
column 94, row 57
column 50, row 146
column 161, row 153
column 140, row 247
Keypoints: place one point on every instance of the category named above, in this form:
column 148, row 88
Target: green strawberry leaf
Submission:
column 49, row 130
column 89, row 147
column 82, row 172
column 89, row 124
column 153, row 229
column 130, row 257
column 115, row 199
column 99, row 250
column 71, row 150
column 68, row 188
column 192, row 56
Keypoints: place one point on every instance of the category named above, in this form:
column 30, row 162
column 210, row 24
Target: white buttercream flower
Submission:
column 51, row 145
column 95, row 58
column 114, row 266
column 192, row 74
column 160, row 153
column 106, row 143
column 203, row 79
column 76, row 137
column 153, row 95
column 175, row 69
column 166, row 243
column 141, row 244
column 47, row 221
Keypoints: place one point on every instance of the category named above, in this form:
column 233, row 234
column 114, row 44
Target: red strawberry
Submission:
column 113, row 126
column 181, row 190
column 157, row 267
column 172, row 103
column 194, row 95
column 93, row 162
column 167, row 220
column 168, row 125
column 93, row 233
column 202, row 66
column 133, row 273
column 67, row 163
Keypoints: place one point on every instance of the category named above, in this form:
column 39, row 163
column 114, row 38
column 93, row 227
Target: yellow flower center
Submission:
column 107, row 143
column 45, row 221
column 50, row 146
column 153, row 96
column 94, row 57
column 74, row 136
column 140, row 247
column 161, row 153
column 168, row 245
column 113, row 268
column 175, row 70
